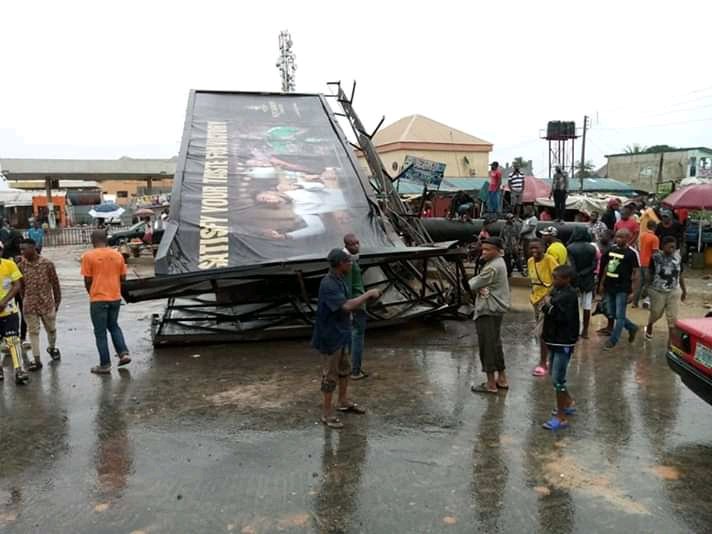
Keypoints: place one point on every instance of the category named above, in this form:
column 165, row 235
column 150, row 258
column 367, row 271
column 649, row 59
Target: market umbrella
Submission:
column 144, row 212
column 533, row 188
column 693, row 197
column 106, row 210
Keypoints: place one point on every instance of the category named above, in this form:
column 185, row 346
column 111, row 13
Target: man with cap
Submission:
column 628, row 222
column 554, row 246
column 610, row 216
column 670, row 227
column 332, row 335
column 492, row 301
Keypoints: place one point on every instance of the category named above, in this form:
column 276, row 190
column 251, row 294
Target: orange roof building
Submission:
column 416, row 135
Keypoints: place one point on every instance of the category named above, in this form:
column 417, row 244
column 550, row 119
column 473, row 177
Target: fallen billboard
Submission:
column 263, row 177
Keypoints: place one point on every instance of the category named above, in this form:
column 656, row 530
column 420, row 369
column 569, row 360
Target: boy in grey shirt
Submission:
column 493, row 300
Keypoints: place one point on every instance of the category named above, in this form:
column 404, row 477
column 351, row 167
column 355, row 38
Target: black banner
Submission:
column 263, row 177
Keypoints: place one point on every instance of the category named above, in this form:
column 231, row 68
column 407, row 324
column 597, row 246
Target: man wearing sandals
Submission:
column 332, row 335
column 104, row 270
column 492, row 301
column 41, row 296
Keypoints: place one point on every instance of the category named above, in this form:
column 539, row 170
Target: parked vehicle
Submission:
column 137, row 231
column 690, row 355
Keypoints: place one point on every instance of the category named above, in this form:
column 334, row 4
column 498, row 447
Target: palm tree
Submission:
column 635, row 148
column 585, row 171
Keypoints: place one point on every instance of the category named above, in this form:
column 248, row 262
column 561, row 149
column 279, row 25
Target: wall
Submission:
column 133, row 187
column 641, row 170
column 455, row 166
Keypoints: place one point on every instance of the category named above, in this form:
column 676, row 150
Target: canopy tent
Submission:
column 693, row 197
column 583, row 203
column 599, row 185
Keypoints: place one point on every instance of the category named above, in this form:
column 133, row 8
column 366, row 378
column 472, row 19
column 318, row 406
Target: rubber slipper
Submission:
column 501, row 386
column 539, row 371
column 125, row 360
column 568, row 411
column 332, row 422
column 482, row 388
column 555, row 424
column 353, row 408
column 99, row 370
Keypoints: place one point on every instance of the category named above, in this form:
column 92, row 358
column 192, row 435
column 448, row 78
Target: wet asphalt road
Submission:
column 226, row 439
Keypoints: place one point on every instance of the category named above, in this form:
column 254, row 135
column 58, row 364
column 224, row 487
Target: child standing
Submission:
column 561, row 331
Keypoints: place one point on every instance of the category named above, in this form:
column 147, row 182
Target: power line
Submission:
column 706, row 119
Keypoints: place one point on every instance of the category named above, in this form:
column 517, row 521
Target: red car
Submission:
column 690, row 355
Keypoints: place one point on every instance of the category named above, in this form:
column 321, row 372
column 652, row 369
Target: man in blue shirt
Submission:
column 332, row 335
column 36, row 233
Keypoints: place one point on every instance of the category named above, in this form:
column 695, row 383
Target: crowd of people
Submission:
column 603, row 268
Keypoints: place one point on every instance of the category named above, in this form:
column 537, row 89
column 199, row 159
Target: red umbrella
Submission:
column 693, row 197
column 533, row 188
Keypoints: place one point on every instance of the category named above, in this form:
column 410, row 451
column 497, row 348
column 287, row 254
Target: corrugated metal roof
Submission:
column 19, row 167
column 596, row 184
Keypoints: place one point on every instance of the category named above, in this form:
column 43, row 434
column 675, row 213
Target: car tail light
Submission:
column 681, row 341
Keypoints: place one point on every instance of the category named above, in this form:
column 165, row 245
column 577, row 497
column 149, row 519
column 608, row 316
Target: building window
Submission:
column 122, row 194
column 693, row 166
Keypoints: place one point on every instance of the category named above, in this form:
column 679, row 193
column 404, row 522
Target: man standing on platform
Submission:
column 355, row 288
column 516, row 190
column 495, row 182
column 560, row 190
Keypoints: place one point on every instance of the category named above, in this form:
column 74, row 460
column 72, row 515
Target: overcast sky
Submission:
column 102, row 79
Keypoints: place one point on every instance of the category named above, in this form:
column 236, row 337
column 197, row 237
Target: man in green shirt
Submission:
column 355, row 288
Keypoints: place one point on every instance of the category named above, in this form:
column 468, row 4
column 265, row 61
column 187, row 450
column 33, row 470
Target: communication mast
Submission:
column 286, row 62
column 561, row 136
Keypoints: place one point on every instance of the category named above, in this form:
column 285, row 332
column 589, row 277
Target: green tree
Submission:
column 656, row 149
column 635, row 148
column 519, row 162
column 586, row 171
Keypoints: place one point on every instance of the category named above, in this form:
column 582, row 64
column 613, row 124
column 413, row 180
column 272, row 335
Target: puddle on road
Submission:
column 564, row 473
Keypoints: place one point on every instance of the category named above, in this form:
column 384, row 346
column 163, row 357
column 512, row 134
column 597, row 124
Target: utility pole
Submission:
column 286, row 62
column 583, row 152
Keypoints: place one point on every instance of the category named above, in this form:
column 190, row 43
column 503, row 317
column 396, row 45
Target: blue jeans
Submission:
column 358, row 332
column 493, row 201
column 559, row 358
column 105, row 316
column 645, row 280
column 617, row 303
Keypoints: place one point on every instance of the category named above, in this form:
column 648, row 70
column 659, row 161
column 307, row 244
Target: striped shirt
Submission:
column 516, row 182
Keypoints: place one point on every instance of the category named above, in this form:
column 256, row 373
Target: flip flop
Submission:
column 332, row 422
column 555, row 424
column 124, row 360
column 540, row 371
column 571, row 410
column 501, row 386
column 482, row 388
column 353, row 408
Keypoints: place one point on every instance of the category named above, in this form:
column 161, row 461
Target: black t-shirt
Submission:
column 617, row 266
column 609, row 218
column 676, row 230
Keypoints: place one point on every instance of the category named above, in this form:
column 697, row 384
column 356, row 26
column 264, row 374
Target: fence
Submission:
column 73, row 236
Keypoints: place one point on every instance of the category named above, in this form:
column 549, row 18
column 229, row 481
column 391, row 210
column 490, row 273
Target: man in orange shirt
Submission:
column 104, row 270
column 649, row 243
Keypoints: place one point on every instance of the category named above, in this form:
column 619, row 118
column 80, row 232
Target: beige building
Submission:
column 644, row 170
column 415, row 135
column 124, row 177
